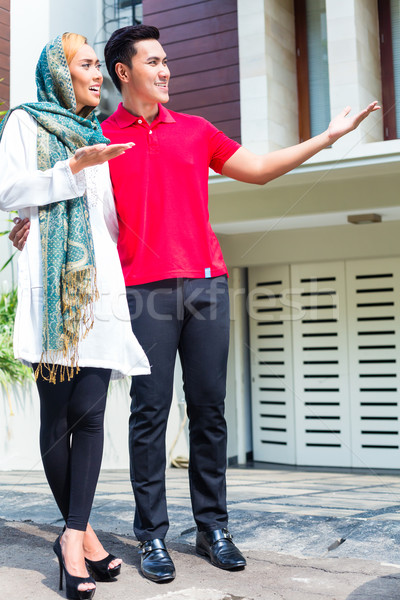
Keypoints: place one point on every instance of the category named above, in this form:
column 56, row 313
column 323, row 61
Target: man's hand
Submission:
column 89, row 156
column 19, row 233
column 342, row 123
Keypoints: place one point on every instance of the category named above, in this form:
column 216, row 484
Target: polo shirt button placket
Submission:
column 152, row 141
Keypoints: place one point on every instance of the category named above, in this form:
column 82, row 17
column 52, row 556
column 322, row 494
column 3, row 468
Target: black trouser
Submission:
column 190, row 316
column 71, row 440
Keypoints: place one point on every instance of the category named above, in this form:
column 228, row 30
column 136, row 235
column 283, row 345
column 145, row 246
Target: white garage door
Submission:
column 324, row 340
column 373, row 290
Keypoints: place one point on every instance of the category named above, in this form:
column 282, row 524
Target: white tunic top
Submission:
column 111, row 343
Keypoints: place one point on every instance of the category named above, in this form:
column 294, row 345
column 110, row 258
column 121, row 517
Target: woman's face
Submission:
column 86, row 77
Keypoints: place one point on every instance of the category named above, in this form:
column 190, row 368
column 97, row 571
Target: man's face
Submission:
column 149, row 75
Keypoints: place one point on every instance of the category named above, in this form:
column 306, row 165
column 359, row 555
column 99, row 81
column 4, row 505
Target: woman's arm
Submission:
column 21, row 183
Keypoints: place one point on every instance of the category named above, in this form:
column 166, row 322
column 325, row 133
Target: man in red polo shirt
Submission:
column 177, row 292
column 176, row 282
column 177, row 285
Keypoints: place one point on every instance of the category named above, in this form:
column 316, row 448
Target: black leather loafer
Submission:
column 218, row 546
column 156, row 564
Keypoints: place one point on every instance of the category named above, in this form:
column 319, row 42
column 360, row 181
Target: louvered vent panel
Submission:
column 374, row 343
column 271, row 364
column 320, row 364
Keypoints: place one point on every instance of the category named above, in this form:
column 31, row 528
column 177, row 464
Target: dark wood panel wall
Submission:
column 387, row 71
column 4, row 53
column 200, row 38
column 303, row 94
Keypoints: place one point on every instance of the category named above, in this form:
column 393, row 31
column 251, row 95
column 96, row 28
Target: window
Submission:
column 312, row 67
column 125, row 12
column 389, row 37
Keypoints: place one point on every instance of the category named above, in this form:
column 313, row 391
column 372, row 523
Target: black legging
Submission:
column 71, row 440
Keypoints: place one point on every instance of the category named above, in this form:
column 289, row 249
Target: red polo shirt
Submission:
column 161, row 194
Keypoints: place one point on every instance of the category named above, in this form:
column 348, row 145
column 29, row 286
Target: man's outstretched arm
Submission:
column 252, row 168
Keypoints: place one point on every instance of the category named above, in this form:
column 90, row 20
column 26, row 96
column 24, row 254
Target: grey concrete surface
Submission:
column 307, row 534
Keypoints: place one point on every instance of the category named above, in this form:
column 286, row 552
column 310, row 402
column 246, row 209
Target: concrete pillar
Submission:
column 354, row 64
column 268, row 86
column 238, row 409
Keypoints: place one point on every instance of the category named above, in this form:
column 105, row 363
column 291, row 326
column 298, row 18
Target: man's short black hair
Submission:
column 121, row 46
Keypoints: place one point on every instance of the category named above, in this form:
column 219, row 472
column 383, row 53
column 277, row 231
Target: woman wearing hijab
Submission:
column 72, row 322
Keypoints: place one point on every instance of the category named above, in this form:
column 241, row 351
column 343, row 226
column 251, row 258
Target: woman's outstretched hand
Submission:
column 89, row 156
column 342, row 123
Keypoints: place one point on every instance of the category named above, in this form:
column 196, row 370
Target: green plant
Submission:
column 11, row 370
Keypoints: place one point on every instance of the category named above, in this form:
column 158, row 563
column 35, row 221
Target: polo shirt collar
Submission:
column 164, row 116
column 124, row 118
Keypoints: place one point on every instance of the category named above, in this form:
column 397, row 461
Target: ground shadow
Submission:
column 382, row 588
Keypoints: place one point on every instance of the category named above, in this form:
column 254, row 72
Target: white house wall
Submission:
column 19, row 433
column 317, row 244
column 33, row 24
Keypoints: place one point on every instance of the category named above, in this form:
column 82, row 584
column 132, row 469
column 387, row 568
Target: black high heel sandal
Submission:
column 99, row 568
column 72, row 582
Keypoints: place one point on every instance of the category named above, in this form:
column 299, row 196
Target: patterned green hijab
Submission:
column 69, row 271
